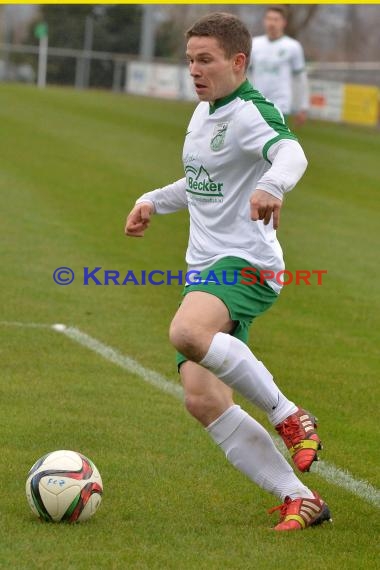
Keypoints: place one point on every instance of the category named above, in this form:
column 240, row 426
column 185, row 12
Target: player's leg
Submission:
column 249, row 447
column 195, row 333
column 206, row 397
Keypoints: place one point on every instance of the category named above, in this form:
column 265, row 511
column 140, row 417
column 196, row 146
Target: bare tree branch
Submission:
column 299, row 17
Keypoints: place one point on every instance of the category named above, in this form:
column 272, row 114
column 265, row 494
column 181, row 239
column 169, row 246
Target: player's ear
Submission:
column 240, row 61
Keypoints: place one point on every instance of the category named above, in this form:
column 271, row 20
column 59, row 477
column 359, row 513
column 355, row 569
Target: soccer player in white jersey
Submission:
column 239, row 160
column 278, row 66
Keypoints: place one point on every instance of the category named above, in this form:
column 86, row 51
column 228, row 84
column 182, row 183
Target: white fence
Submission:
column 329, row 100
column 338, row 91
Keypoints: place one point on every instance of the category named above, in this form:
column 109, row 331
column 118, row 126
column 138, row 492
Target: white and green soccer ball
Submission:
column 64, row 486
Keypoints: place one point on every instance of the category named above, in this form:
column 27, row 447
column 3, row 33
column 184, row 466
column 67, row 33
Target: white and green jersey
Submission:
column 275, row 62
column 233, row 147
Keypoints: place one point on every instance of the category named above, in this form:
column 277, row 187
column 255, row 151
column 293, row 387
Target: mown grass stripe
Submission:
column 327, row 471
column 125, row 362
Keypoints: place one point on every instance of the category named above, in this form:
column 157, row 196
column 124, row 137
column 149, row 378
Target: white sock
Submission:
column 249, row 447
column 232, row 361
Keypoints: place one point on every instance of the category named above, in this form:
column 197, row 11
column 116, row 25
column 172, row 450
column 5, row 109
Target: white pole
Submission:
column 7, row 35
column 42, row 62
column 147, row 38
column 87, row 47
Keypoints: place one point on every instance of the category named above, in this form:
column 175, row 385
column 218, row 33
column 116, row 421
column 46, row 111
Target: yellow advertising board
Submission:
column 361, row 104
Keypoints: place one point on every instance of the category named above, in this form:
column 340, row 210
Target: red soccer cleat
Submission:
column 298, row 514
column 300, row 437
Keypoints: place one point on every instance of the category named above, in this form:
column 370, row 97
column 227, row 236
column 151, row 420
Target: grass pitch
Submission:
column 71, row 166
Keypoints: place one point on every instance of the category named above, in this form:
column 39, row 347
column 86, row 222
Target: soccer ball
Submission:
column 64, row 486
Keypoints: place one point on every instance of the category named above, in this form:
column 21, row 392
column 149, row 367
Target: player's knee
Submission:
column 186, row 339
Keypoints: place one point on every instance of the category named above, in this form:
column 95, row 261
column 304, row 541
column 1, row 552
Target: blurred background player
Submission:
column 278, row 66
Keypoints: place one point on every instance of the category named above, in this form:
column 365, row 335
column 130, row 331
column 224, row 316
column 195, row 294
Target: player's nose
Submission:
column 194, row 70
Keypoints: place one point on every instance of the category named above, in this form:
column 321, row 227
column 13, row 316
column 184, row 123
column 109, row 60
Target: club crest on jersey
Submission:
column 218, row 136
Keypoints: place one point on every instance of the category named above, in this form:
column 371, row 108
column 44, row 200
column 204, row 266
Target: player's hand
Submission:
column 138, row 220
column 263, row 205
column 300, row 118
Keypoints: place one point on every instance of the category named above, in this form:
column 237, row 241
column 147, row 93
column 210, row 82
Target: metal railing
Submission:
column 82, row 60
column 367, row 73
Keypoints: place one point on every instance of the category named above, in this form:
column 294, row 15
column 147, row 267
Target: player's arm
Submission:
column 288, row 166
column 301, row 92
column 301, row 96
column 166, row 200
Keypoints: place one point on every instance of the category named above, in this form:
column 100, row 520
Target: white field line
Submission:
column 327, row 471
column 339, row 477
column 120, row 360
column 125, row 362
column 25, row 325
